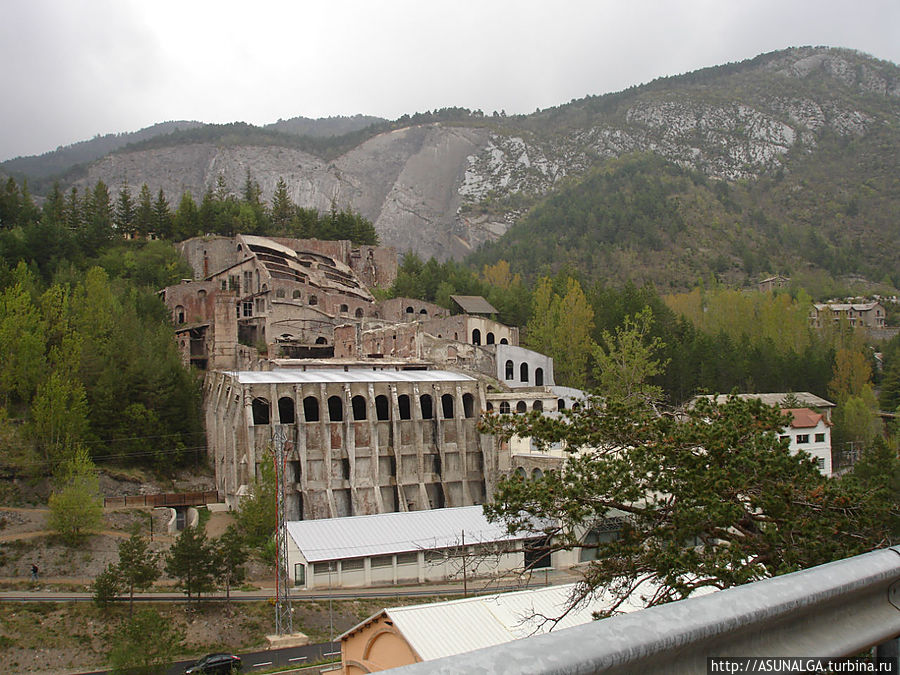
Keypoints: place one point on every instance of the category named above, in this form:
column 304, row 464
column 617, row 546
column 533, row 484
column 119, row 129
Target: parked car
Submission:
column 215, row 663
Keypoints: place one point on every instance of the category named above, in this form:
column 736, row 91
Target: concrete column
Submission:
column 374, row 448
column 396, row 442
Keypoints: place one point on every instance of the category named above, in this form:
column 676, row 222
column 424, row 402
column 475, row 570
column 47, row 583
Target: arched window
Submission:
column 423, row 311
column 539, row 377
column 490, row 339
column 321, row 341
column 521, row 407
column 427, row 406
column 476, row 337
column 201, row 294
column 490, row 406
column 359, row 407
column 510, row 370
column 179, row 314
column 410, row 310
column 468, row 405
column 295, row 295
column 538, row 405
column 537, row 474
column 344, row 309
column 447, row 406
column 286, row 410
column 523, row 372
column 561, row 404
column 311, row 409
column 260, row 407
column 403, row 407
column 504, row 407
column 520, row 473
column 335, row 409
column 504, row 341
column 382, row 408
column 313, row 300
column 359, row 313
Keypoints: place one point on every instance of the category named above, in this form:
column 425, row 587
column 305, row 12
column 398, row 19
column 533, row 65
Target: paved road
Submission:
column 292, row 656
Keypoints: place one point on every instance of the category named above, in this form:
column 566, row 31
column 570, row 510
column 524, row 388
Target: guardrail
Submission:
column 168, row 499
column 834, row 610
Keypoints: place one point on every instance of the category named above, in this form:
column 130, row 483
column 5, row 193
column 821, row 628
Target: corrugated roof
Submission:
column 388, row 533
column 446, row 628
column 473, row 304
column 297, row 376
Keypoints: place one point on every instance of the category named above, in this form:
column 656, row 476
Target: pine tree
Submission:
column 191, row 562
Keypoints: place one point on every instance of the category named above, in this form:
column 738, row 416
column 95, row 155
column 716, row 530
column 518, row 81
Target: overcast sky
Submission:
column 74, row 69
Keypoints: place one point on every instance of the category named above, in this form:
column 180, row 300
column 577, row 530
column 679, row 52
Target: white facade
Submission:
column 810, row 432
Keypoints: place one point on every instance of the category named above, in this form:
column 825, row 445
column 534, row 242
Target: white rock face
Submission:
column 418, row 184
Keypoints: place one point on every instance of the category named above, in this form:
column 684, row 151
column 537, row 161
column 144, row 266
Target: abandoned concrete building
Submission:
column 357, row 440
column 377, row 402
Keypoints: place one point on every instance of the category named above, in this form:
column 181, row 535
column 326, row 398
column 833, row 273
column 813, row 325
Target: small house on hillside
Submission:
column 811, row 432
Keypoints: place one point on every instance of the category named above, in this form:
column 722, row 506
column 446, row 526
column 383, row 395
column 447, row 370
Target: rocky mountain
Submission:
column 443, row 183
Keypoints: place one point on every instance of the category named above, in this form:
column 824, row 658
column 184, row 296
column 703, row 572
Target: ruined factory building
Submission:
column 394, row 548
column 358, row 440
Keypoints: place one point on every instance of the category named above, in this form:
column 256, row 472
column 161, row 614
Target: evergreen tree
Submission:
column 282, row 208
column 126, row 212
column 138, row 566
column 143, row 217
column 231, row 554
column 145, row 644
column 191, row 562
column 162, row 217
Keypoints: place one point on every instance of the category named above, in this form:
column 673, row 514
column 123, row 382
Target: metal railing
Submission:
column 834, row 610
column 167, row 499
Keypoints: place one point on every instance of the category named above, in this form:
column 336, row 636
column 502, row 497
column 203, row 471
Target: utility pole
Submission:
column 284, row 623
column 464, row 557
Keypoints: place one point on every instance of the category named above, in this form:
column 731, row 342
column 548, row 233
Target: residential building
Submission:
column 810, row 432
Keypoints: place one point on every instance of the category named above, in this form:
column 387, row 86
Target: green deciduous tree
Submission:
column 76, row 507
column 257, row 513
column 626, row 361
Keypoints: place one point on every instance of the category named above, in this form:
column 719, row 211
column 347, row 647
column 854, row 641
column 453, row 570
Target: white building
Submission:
column 811, row 432
column 393, row 548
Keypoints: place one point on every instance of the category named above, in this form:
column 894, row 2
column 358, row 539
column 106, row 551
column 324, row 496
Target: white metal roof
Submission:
column 457, row 626
column 388, row 533
column 298, row 376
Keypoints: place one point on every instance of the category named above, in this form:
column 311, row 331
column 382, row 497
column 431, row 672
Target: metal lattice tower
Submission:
column 283, row 613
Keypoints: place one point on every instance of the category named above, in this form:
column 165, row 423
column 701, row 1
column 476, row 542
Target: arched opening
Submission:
column 476, row 337
column 260, row 408
column 321, row 341
column 359, row 407
column 313, row 300
column 382, row 408
column 538, row 405
column 489, row 339
column 447, row 406
column 504, row 341
column 295, row 295
column 335, row 409
column 523, row 372
column 359, row 313
column 520, row 473
column 490, row 406
column 561, row 404
column 537, row 474
column 423, row 311
column 344, row 309
column 468, row 405
column 504, row 407
column 539, row 377
column 427, row 406
column 521, row 407
column 410, row 310
column 286, row 412
column 279, row 293
column 510, row 370
column 311, row 409
column 403, row 407
column 179, row 314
